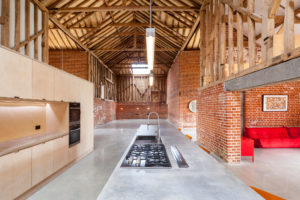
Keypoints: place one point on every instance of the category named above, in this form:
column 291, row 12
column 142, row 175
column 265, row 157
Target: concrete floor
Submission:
column 275, row 170
column 85, row 179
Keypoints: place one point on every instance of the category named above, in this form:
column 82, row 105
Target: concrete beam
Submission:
column 286, row 71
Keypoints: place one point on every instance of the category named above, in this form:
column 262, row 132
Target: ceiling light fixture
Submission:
column 151, row 79
column 150, row 41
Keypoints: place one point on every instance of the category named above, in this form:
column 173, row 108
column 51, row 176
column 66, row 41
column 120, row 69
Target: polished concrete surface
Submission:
column 276, row 171
column 205, row 179
column 85, row 179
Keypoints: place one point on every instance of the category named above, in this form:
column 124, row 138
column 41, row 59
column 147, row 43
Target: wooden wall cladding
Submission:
column 137, row 89
column 101, row 75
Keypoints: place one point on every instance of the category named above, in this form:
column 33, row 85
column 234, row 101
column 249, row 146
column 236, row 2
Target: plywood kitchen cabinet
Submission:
column 16, row 75
column 86, row 99
column 66, row 87
column 42, row 81
column 15, row 173
column 60, row 152
column 6, row 177
column 42, row 162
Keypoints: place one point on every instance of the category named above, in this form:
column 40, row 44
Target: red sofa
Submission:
column 247, row 147
column 285, row 137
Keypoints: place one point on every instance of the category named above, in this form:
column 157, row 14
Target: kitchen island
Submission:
column 204, row 179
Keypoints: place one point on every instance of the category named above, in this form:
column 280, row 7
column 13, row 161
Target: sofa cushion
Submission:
column 294, row 132
column 277, row 143
column 266, row 133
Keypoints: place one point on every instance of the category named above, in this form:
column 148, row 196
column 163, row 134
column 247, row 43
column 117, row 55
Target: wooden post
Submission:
column 240, row 39
column 251, row 35
column 202, row 47
column 45, row 37
column 289, row 32
column 222, row 34
column 267, row 33
column 211, row 41
column 5, row 26
column 230, row 41
column 222, row 29
column 208, row 73
column 89, row 66
column 36, row 44
column 17, row 24
column 27, row 25
column 216, row 41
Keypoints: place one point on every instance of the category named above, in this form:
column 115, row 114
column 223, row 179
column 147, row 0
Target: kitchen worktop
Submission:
column 205, row 178
column 26, row 142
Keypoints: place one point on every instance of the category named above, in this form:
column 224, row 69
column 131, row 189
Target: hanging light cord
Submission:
column 150, row 13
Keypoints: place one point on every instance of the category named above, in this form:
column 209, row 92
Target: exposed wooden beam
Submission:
column 240, row 39
column 26, row 42
column 256, row 17
column 40, row 5
column 2, row 20
column 123, row 8
column 5, row 27
column 68, row 33
column 137, row 49
column 45, row 37
column 278, row 19
column 251, row 35
column 17, row 23
column 268, row 25
column 27, row 25
column 188, row 38
column 289, row 27
column 230, row 42
column 36, row 42
column 192, row 31
column 274, row 7
column 130, row 24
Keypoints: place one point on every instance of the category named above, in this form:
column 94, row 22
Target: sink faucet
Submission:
column 158, row 126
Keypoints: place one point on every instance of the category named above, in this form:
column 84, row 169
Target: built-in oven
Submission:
column 74, row 123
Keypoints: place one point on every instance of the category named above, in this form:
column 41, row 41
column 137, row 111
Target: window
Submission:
column 140, row 69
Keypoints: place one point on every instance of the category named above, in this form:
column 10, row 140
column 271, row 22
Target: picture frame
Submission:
column 275, row 103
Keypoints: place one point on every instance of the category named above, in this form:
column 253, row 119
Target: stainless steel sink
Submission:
column 147, row 152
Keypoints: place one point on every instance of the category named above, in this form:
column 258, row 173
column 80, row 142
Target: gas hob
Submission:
column 147, row 155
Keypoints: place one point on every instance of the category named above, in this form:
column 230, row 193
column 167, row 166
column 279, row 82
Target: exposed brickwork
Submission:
column 75, row 62
column 140, row 110
column 254, row 115
column 183, row 84
column 218, row 122
column 173, row 94
column 104, row 111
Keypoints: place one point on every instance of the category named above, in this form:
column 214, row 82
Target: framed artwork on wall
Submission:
column 275, row 103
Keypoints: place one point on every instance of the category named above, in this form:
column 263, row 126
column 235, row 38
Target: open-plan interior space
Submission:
column 149, row 99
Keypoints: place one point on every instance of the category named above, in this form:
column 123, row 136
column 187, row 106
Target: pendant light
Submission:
column 150, row 41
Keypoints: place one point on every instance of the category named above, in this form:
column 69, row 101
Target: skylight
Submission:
column 140, row 69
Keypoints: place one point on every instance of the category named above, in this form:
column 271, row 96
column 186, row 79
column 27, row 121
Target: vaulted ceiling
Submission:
column 115, row 29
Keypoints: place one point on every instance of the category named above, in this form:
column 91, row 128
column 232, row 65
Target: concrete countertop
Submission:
column 26, row 142
column 205, row 178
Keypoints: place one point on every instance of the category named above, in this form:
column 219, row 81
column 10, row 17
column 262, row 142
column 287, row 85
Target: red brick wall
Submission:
column 254, row 115
column 140, row 110
column 104, row 111
column 218, row 122
column 173, row 94
column 72, row 61
column 183, row 84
